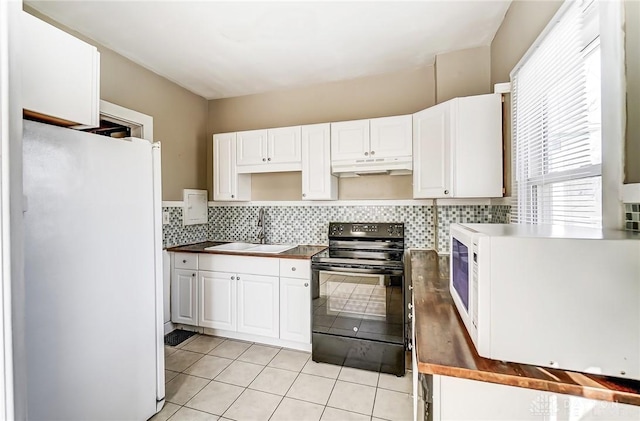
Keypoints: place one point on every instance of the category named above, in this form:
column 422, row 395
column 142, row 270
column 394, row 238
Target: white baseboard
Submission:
column 258, row 339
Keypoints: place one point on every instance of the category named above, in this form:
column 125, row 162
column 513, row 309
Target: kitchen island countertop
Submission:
column 299, row 252
column 443, row 346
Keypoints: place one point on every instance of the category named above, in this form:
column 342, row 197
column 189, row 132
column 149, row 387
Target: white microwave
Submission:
column 552, row 296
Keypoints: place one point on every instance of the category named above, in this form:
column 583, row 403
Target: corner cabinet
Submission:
column 228, row 185
column 317, row 181
column 272, row 150
column 457, row 148
column 60, row 75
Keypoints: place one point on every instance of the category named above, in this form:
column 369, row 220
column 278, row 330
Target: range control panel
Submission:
column 369, row 230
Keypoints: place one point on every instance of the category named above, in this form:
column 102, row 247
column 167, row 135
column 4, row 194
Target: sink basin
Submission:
column 232, row 247
column 252, row 248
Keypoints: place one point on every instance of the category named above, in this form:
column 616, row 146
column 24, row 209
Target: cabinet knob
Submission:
column 238, row 278
column 373, row 152
column 304, row 195
column 446, row 192
column 306, row 284
column 184, row 260
column 233, row 195
column 268, row 159
column 233, row 278
column 264, row 159
column 293, row 269
column 366, row 154
column 193, row 274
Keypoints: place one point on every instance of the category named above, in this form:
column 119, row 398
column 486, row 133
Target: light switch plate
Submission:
column 165, row 217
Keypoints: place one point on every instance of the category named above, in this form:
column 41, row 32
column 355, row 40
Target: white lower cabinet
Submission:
column 295, row 310
column 258, row 305
column 184, row 297
column 216, row 292
column 217, row 300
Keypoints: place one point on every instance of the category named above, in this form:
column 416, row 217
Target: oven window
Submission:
column 460, row 264
column 361, row 306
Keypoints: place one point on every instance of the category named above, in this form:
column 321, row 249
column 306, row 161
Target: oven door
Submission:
column 359, row 302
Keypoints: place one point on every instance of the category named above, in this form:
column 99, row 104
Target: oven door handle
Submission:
column 332, row 268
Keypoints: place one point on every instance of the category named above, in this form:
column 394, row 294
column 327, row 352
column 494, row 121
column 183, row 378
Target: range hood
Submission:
column 360, row 167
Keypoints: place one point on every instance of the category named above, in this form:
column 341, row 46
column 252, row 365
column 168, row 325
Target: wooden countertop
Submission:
column 300, row 252
column 443, row 346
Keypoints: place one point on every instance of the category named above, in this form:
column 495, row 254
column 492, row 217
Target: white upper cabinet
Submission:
column 60, row 74
column 251, row 147
column 228, row 185
column 431, row 171
column 350, row 140
column 272, row 150
column 385, row 137
column 317, row 181
column 458, row 148
column 391, row 137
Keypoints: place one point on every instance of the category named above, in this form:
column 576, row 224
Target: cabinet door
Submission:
column 431, row 152
column 350, row 140
column 391, row 137
column 251, row 147
column 283, row 145
column 477, row 142
column 217, row 300
column 258, row 305
column 295, row 310
column 184, row 297
column 317, row 181
column 228, row 185
column 60, row 74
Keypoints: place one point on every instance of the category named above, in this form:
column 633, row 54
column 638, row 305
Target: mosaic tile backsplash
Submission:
column 632, row 216
column 309, row 224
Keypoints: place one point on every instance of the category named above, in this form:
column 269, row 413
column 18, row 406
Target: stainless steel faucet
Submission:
column 261, row 236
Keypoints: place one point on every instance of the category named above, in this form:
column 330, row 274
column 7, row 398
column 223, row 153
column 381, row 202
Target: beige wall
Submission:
column 632, row 146
column 179, row 116
column 463, row 73
column 521, row 26
column 376, row 96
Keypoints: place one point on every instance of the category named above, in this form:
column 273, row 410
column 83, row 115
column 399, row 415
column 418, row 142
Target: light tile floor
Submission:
column 210, row 378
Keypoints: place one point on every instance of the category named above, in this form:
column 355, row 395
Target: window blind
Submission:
column 556, row 138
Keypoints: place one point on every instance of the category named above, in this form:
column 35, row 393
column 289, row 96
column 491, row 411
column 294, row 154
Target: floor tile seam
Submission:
column 194, row 409
column 375, row 396
column 354, row 412
column 201, row 389
column 326, row 405
column 245, row 389
column 257, row 363
column 207, row 412
column 186, row 368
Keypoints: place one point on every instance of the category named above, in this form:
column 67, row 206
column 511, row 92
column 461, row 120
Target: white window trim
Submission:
column 613, row 111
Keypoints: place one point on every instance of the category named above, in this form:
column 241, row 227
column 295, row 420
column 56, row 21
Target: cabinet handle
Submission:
column 446, row 192
column 293, row 269
column 373, row 152
column 264, row 159
column 306, row 284
column 268, row 159
column 366, row 154
column 233, row 278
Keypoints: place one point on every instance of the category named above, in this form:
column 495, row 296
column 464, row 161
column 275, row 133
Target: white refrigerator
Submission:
column 93, row 275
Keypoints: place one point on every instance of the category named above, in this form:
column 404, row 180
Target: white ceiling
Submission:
column 227, row 49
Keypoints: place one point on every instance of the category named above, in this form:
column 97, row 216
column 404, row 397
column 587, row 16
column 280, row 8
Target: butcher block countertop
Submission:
column 299, row 252
column 443, row 346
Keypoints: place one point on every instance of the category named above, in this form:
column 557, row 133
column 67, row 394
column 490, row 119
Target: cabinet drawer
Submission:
column 239, row 264
column 186, row 261
column 295, row 268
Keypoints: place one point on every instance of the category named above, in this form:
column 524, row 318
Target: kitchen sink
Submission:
column 252, row 248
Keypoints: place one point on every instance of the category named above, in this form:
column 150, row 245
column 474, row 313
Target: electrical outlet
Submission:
column 165, row 217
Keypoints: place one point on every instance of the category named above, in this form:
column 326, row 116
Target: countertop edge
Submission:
column 200, row 248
